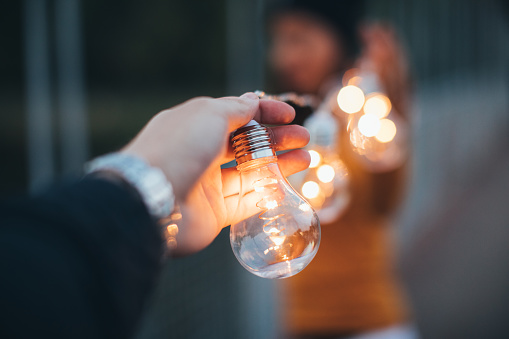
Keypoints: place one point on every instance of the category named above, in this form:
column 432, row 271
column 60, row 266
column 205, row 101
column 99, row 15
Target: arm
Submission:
column 80, row 260
column 77, row 262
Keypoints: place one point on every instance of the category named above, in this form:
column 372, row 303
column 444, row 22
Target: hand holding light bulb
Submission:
column 189, row 143
column 372, row 99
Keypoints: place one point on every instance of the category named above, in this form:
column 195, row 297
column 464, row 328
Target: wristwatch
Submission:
column 150, row 182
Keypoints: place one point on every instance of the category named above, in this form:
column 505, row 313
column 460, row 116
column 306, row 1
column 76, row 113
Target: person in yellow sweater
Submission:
column 350, row 289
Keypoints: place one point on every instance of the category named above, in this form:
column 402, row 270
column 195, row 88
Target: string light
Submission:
column 378, row 105
column 325, row 173
column 310, row 189
column 350, row 99
column 369, row 125
column 316, row 158
column 387, row 131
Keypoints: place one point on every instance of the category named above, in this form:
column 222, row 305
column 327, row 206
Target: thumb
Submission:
column 238, row 110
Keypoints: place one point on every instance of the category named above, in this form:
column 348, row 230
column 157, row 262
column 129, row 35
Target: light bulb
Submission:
column 316, row 158
column 326, row 186
column 381, row 143
column 377, row 104
column 377, row 133
column 281, row 233
column 369, row 125
column 310, row 189
column 325, row 173
column 387, row 131
column 325, row 183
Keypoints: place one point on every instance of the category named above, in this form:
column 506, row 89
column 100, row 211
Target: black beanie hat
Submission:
column 341, row 15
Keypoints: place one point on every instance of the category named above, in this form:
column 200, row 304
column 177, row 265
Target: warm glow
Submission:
column 378, row 105
column 356, row 80
column 271, row 204
column 171, row 242
column 315, row 159
column 273, row 231
column 278, row 239
column 310, row 189
column 304, row 207
column 325, row 173
column 176, row 216
column 172, row 229
column 261, row 185
column 369, row 125
column 350, row 76
column 350, row 99
column 387, row 131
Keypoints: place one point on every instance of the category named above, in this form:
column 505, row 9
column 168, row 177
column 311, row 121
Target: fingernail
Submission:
column 249, row 95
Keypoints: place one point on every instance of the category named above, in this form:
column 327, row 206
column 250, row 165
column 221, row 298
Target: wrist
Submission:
column 150, row 182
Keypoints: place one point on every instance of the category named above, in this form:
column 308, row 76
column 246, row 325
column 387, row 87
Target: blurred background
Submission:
column 80, row 78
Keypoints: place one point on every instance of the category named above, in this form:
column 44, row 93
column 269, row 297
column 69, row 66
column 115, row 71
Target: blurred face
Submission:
column 304, row 52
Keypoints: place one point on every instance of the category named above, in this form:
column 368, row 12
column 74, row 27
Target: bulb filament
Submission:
column 267, row 205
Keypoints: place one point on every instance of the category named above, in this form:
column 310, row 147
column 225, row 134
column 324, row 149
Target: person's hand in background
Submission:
column 189, row 143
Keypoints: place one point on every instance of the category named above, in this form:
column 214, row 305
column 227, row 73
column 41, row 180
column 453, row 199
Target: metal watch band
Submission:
column 151, row 183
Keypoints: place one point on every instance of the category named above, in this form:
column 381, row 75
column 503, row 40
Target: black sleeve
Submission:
column 76, row 262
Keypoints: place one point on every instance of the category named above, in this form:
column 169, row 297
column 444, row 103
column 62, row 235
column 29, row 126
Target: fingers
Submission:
column 283, row 137
column 294, row 161
column 289, row 163
column 238, row 110
column 274, row 112
column 289, row 137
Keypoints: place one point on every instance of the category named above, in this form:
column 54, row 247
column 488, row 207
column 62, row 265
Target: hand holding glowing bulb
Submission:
column 190, row 141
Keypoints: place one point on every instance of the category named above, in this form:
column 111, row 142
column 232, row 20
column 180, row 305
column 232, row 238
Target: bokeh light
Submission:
column 378, row 105
column 316, row 158
column 310, row 189
column 369, row 125
column 351, row 77
column 325, row 173
column 351, row 99
column 387, row 131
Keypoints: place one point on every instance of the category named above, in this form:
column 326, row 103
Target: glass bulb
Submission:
column 381, row 143
column 325, row 186
column 281, row 233
column 350, row 99
column 377, row 133
column 325, row 183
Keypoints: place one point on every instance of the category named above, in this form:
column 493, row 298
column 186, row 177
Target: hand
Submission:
column 190, row 142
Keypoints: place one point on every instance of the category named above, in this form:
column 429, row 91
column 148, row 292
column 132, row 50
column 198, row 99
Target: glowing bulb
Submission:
column 355, row 80
column 378, row 105
column 310, row 189
column 275, row 232
column 172, row 229
column 315, row 159
column 271, row 204
column 350, row 99
column 369, row 125
column 278, row 240
column 325, row 173
column 387, row 131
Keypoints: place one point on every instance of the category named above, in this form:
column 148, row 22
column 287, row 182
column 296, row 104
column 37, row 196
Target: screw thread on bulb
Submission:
column 251, row 142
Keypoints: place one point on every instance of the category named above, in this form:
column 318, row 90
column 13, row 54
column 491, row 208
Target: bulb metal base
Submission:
column 252, row 142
